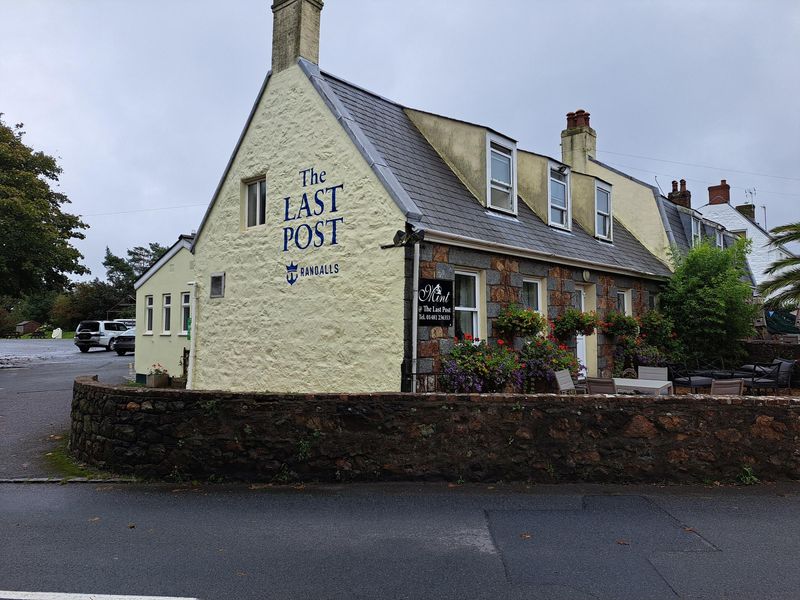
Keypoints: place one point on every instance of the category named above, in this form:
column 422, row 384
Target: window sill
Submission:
column 165, row 334
column 558, row 227
column 183, row 334
column 605, row 240
column 504, row 211
column 148, row 333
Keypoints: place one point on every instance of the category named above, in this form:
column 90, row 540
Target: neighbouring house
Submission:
column 164, row 295
column 24, row 327
column 741, row 220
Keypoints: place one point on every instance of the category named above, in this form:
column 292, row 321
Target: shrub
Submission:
column 657, row 329
column 574, row 322
column 540, row 359
column 631, row 353
column 619, row 325
column 520, row 321
column 476, row 367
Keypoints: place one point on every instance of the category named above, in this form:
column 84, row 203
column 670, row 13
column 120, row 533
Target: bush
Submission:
column 631, row 353
column 573, row 322
column 476, row 367
column 657, row 329
column 619, row 325
column 519, row 321
column 540, row 359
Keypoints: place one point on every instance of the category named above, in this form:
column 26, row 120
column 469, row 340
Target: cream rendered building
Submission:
column 163, row 311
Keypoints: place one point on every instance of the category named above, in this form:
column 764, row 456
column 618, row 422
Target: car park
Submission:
column 126, row 342
column 98, row 334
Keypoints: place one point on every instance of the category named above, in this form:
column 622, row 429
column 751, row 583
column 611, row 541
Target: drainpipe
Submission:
column 193, row 333
column 414, row 310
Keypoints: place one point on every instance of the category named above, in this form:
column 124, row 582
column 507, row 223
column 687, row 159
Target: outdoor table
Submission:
column 650, row 387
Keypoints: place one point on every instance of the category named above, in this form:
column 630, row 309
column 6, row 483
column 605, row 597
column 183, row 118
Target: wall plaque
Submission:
column 435, row 302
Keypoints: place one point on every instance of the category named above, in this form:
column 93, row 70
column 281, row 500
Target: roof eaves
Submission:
column 184, row 241
column 374, row 158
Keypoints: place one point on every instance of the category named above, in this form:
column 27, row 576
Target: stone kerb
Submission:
column 471, row 437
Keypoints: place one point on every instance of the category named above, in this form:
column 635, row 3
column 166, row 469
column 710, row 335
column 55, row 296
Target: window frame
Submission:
column 211, row 293
column 261, row 202
column 476, row 311
column 567, row 196
column 166, row 314
column 627, row 302
column 539, row 289
column 610, row 215
column 697, row 232
column 511, row 147
column 720, row 239
column 186, row 312
column 149, row 305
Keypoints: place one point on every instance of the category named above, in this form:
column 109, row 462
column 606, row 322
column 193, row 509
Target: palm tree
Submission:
column 782, row 290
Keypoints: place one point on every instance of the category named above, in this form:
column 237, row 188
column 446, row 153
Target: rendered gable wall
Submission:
column 532, row 181
column 155, row 347
column 339, row 329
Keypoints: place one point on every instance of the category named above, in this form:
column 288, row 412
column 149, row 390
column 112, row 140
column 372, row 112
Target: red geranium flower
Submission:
column 500, row 342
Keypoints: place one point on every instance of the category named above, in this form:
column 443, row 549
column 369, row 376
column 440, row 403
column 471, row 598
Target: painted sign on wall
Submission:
column 435, row 302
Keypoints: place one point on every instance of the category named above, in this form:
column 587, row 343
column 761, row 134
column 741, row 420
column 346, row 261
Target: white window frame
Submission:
column 720, row 239
column 477, row 319
column 186, row 311
column 261, row 202
column 166, row 314
column 568, row 195
column 539, row 289
column 511, row 147
column 211, row 293
column 627, row 300
column 697, row 232
column 606, row 188
column 148, row 315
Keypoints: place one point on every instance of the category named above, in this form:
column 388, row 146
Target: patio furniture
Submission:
column 597, row 385
column 647, row 387
column 766, row 376
column 566, row 385
column 657, row 373
column 727, row 387
column 784, row 375
column 683, row 377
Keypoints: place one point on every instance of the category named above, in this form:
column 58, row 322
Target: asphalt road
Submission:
column 35, row 395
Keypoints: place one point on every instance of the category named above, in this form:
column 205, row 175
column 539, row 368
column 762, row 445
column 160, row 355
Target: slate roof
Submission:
column 435, row 199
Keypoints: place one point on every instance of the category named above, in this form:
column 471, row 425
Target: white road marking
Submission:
column 6, row 595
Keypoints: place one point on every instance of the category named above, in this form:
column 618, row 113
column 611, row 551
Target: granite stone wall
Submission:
column 369, row 437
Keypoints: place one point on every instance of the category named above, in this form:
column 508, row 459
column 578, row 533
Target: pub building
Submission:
column 351, row 238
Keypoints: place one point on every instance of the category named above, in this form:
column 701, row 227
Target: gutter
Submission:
column 193, row 333
column 414, row 319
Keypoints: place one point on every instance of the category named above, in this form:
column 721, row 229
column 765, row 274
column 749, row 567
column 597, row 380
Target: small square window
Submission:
column 217, row 285
column 256, row 203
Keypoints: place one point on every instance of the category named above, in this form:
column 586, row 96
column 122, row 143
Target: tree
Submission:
column 123, row 272
column 35, row 234
column 782, row 290
column 710, row 302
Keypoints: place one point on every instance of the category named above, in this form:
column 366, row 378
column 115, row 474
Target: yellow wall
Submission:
column 341, row 332
column 583, row 201
column 166, row 350
column 461, row 145
column 533, row 173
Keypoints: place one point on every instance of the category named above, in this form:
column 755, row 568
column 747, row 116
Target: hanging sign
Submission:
column 435, row 302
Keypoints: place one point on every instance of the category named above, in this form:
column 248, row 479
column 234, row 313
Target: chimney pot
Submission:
column 674, row 185
column 682, row 197
column 570, row 120
column 683, row 185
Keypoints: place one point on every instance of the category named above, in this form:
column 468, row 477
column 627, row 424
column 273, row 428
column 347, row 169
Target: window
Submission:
column 166, row 313
column 466, row 305
column 148, row 314
column 697, row 234
column 217, row 285
column 531, row 295
column 559, row 198
column 652, row 301
column 257, row 203
column 602, row 203
column 623, row 302
column 185, row 312
column 720, row 239
column 501, row 190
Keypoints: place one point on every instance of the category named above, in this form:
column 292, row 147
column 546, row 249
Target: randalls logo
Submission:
column 291, row 273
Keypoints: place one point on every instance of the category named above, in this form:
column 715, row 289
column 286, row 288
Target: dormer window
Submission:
column 501, row 177
column 602, row 204
column 720, row 239
column 697, row 232
column 559, row 197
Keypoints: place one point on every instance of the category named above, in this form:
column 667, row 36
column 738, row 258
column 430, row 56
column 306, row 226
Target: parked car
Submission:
column 129, row 323
column 126, row 342
column 102, row 334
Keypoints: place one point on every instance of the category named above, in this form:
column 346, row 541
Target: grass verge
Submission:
column 60, row 460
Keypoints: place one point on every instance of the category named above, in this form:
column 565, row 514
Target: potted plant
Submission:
column 573, row 322
column 518, row 321
column 620, row 325
column 157, row 376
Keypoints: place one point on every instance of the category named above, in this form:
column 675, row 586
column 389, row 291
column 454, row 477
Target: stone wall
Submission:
column 368, row 437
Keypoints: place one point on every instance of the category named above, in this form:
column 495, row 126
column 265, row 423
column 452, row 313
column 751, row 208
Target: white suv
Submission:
column 97, row 333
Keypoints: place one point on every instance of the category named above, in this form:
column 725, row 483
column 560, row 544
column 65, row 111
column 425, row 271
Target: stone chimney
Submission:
column 719, row 194
column 578, row 141
column 682, row 196
column 295, row 32
column 748, row 210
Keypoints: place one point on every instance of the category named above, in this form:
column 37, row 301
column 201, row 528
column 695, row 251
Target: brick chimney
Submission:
column 719, row 194
column 295, row 32
column 578, row 141
column 682, row 196
column 748, row 210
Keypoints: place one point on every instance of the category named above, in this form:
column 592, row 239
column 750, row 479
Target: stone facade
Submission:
column 503, row 277
column 369, row 437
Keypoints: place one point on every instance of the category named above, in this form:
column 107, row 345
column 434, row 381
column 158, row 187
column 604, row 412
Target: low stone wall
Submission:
column 367, row 437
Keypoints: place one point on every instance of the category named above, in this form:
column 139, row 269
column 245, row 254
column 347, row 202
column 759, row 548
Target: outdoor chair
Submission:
column 784, row 373
column 565, row 383
column 683, row 377
column 597, row 385
column 766, row 376
column 727, row 387
column 654, row 373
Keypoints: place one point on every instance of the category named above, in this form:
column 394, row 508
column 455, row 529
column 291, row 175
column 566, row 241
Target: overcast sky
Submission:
column 143, row 100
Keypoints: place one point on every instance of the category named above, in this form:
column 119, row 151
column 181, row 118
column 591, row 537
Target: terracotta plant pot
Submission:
column 159, row 380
